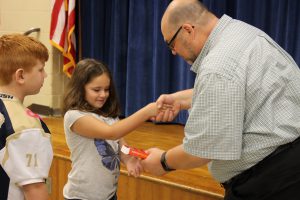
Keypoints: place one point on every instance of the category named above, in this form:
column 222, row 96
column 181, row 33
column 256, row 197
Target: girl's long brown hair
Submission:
column 85, row 71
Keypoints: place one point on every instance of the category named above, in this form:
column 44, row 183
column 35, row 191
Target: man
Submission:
column 244, row 109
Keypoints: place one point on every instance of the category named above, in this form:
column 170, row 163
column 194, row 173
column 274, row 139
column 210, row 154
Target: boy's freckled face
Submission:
column 97, row 91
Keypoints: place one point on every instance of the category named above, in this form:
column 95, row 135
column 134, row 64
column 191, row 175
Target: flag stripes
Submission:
column 62, row 35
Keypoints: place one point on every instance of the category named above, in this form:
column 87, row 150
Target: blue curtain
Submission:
column 126, row 35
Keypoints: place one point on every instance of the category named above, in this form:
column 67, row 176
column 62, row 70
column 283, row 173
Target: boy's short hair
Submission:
column 19, row 51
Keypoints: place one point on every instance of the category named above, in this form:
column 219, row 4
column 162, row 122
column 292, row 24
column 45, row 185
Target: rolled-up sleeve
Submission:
column 215, row 124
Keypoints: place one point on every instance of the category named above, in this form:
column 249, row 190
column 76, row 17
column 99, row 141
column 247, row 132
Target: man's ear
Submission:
column 188, row 27
column 190, row 30
column 19, row 76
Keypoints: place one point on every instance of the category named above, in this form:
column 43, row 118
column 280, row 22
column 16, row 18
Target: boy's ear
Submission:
column 19, row 76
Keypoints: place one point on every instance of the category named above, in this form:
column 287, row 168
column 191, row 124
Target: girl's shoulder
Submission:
column 76, row 112
column 79, row 113
column 73, row 115
column 108, row 120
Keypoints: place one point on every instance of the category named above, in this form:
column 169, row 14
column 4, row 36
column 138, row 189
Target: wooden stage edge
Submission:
column 176, row 185
column 197, row 182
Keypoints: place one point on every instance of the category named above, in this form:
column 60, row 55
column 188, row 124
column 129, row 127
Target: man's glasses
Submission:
column 171, row 42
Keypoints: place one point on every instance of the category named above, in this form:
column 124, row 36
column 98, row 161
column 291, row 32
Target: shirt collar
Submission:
column 210, row 42
column 7, row 96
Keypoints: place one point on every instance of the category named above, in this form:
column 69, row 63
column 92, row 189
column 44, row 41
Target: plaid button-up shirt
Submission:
column 246, row 99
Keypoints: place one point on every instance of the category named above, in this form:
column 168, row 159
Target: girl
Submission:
column 94, row 133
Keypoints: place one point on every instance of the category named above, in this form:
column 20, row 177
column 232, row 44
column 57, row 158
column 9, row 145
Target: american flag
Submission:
column 62, row 35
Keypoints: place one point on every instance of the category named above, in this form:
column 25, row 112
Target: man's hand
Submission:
column 168, row 108
column 152, row 163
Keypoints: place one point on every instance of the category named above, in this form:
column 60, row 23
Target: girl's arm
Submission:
column 92, row 127
column 132, row 164
column 124, row 157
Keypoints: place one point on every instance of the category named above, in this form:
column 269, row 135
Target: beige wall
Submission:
column 17, row 16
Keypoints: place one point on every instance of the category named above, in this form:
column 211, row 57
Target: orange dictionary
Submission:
column 134, row 152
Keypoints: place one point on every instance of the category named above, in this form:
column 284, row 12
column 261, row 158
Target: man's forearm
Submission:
column 176, row 158
column 184, row 97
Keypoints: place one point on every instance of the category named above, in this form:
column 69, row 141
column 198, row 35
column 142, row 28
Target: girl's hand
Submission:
column 134, row 167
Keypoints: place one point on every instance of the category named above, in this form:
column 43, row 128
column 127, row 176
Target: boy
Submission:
column 25, row 147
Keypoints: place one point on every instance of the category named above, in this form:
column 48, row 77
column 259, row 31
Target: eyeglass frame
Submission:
column 173, row 38
column 169, row 44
